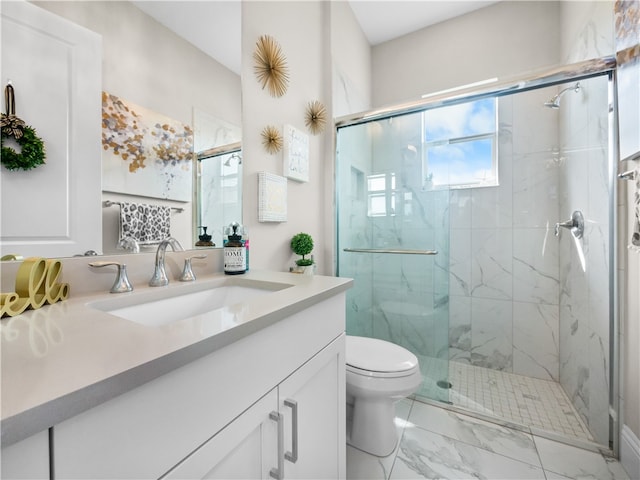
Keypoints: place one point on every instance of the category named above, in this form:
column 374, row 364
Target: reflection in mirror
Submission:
column 134, row 54
column 218, row 190
column 218, row 175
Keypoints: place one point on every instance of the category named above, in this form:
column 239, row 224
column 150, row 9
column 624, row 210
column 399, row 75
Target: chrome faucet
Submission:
column 159, row 278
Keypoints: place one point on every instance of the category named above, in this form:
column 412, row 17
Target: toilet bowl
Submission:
column 379, row 374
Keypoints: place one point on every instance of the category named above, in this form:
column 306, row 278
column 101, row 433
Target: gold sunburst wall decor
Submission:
column 271, row 139
column 315, row 117
column 271, row 66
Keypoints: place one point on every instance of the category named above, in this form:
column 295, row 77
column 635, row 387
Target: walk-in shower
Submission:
column 479, row 230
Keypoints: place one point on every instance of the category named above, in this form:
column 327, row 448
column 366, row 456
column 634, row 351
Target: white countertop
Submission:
column 65, row 358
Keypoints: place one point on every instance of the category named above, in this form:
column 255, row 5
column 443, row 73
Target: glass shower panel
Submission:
column 391, row 220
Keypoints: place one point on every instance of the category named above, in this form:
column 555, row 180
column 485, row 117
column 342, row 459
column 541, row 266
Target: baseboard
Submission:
column 630, row 453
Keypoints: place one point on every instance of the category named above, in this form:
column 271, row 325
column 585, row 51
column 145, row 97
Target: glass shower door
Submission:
column 393, row 239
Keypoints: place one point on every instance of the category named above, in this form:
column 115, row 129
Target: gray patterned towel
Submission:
column 147, row 224
column 635, row 234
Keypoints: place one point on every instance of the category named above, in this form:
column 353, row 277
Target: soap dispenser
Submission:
column 235, row 260
column 204, row 239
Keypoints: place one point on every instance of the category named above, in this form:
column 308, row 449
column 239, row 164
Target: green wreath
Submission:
column 32, row 153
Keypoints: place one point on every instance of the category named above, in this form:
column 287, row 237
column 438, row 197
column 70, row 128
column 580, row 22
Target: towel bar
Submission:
column 384, row 250
column 110, row 203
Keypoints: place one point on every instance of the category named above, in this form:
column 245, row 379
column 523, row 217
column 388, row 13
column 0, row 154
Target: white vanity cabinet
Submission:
column 28, row 459
column 212, row 417
column 294, row 431
column 246, row 448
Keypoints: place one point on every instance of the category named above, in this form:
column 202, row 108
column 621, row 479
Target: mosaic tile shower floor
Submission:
column 532, row 402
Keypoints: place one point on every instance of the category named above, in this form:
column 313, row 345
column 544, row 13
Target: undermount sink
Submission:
column 163, row 306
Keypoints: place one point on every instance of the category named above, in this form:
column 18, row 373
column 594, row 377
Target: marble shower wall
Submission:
column 584, row 292
column 520, row 298
column 504, row 270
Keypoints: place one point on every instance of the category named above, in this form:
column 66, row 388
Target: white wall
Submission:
column 351, row 56
column 146, row 64
column 500, row 40
column 299, row 28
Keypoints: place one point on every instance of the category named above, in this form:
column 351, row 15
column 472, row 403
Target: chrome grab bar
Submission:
column 384, row 250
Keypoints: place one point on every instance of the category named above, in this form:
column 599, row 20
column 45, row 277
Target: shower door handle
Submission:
column 385, row 250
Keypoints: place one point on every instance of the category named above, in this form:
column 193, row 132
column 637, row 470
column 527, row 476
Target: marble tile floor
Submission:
column 436, row 443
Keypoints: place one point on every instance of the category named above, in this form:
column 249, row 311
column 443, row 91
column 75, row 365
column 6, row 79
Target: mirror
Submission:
column 149, row 65
column 218, row 178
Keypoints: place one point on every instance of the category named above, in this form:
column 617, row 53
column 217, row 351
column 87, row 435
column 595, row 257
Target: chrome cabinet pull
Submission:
column 384, row 250
column 278, row 472
column 292, row 456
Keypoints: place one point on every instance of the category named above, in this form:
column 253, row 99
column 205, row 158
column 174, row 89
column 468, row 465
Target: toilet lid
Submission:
column 378, row 355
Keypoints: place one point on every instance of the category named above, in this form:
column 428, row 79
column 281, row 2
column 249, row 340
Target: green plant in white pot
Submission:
column 302, row 244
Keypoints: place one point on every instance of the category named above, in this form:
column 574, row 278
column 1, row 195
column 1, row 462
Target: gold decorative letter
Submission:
column 36, row 284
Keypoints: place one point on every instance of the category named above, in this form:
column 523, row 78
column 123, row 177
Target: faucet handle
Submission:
column 121, row 284
column 187, row 272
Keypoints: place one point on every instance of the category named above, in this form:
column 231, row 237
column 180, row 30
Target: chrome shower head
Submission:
column 237, row 156
column 555, row 101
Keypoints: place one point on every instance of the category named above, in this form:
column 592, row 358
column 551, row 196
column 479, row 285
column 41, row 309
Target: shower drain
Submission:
column 444, row 384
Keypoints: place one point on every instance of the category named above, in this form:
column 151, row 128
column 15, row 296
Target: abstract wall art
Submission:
column 145, row 153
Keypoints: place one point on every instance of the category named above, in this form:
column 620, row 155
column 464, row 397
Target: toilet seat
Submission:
column 369, row 373
column 378, row 358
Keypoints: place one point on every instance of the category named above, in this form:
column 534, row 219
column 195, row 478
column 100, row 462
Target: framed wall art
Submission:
column 272, row 197
column 296, row 154
column 145, row 153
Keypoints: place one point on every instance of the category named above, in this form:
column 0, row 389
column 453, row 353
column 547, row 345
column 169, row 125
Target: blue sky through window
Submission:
column 460, row 144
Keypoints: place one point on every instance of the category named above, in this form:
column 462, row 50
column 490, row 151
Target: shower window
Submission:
column 381, row 194
column 460, row 144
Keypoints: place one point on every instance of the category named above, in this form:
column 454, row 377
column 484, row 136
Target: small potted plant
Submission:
column 302, row 244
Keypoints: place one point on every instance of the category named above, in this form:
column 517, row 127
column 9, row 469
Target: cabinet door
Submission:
column 56, row 69
column 26, row 459
column 312, row 401
column 246, row 448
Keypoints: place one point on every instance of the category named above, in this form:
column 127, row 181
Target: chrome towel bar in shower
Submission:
column 384, row 250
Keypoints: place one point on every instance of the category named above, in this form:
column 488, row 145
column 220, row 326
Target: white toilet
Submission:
column 379, row 374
